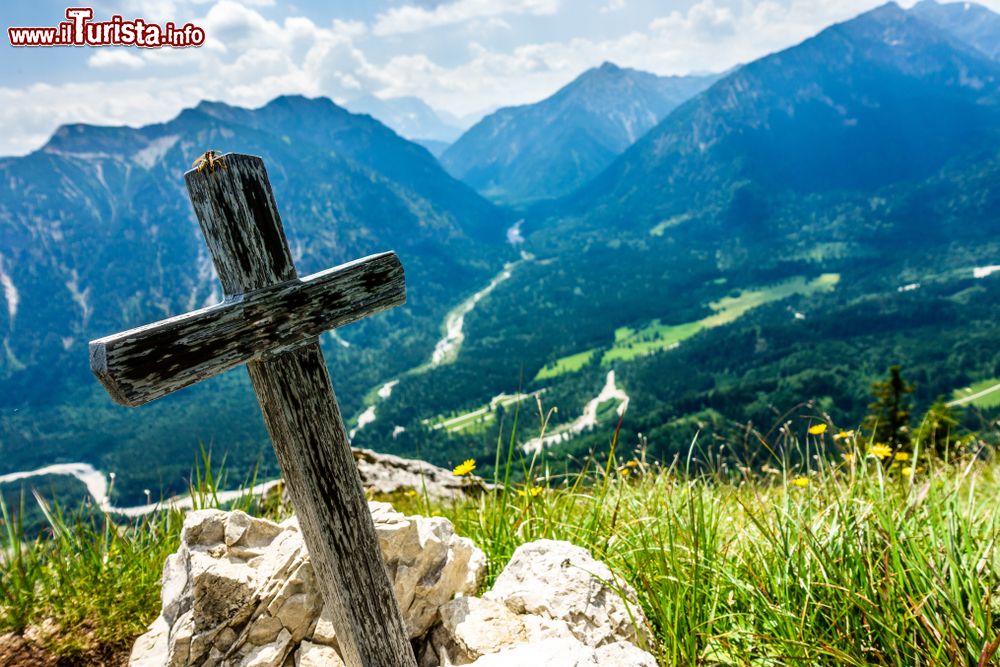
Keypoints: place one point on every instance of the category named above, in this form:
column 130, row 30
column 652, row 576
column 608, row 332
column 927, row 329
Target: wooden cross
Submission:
column 271, row 320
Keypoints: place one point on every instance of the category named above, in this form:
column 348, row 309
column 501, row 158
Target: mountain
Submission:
column 410, row 116
column 881, row 99
column 782, row 237
column 771, row 245
column 968, row 21
column 97, row 235
column 436, row 148
column 550, row 148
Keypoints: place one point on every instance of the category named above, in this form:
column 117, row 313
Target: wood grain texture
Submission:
column 239, row 218
column 145, row 363
column 315, row 456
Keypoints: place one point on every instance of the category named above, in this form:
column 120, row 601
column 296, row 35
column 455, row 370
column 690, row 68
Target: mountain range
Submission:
column 974, row 24
column 552, row 147
column 98, row 236
column 411, row 117
column 718, row 249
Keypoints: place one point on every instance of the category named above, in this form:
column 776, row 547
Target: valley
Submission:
column 655, row 337
column 709, row 251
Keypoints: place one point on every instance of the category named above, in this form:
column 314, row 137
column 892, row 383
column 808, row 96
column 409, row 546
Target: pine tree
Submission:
column 888, row 420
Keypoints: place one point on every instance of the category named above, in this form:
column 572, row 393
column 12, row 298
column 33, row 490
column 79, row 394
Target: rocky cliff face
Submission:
column 241, row 592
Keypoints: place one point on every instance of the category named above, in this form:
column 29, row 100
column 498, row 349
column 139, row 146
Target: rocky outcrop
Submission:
column 554, row 596
column 386, row 474
column 568, row 652
column 240, row 592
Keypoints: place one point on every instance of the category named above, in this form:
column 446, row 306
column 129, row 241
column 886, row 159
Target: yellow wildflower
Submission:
column 848, row 457
column 633, row 463
column 907, row 471
column 880, row 450
column 800, row 481
column 817, row 429
column 843, row 435
column 465, row 467
column 533, row 491
column 902, row 456
column 411, row 493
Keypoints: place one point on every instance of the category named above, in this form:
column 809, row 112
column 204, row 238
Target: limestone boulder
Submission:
column 241, row 591
column 549, row 592
column 568, row 652
column 387, row 474
column 562, row 582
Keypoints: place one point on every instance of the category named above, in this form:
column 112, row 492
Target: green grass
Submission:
column 93, row 581
column 565, row 365
column 842, row 562
column 655, row 336
column 825, row 251
column 474, row 421
column 990, row 400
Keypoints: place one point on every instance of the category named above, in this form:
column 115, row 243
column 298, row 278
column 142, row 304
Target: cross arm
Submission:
column 151, row 361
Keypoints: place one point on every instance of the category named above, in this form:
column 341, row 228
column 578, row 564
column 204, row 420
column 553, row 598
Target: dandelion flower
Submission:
column 817, row 429
column 533, row 491
column 902, row 456
column 465, row 467
column 843, row 435
column 800, row 482
column 849, row 457
column 633, row 463
column 881, row 451
column 907, row 471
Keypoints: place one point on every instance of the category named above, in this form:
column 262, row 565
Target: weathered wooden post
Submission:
column 271, row 320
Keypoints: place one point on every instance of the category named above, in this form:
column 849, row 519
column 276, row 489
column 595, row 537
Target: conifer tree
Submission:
column 888, row 420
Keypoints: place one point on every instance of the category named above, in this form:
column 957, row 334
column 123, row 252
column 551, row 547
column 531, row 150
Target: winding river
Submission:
column 587, row 420
column 99, row 486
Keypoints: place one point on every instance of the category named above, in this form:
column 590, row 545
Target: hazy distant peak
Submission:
column 408, row 115
column 969, row 22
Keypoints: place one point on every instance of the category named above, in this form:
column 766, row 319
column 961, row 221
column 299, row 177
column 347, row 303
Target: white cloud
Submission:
column 707, row 36
column 115, row 57
column 703, row 17
column 253, row 55
column 256, row 60
column 412, row 18
column 613, row 6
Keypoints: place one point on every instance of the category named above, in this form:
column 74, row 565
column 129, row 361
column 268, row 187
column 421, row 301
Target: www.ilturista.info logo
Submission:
column 80, row 30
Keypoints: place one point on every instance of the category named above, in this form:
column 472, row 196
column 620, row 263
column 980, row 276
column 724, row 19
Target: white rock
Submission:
column 567, row 652
column 150, row 648
column 429, row 564
column 472, row 627
column 386, row 474
column 623, row 654
column 324, row 633
column 264, row 630
column 269, row 655
column 562, row 582
column 317, row 655
column 241, row 586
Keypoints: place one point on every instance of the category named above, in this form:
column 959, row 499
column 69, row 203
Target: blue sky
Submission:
column 460, row 56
